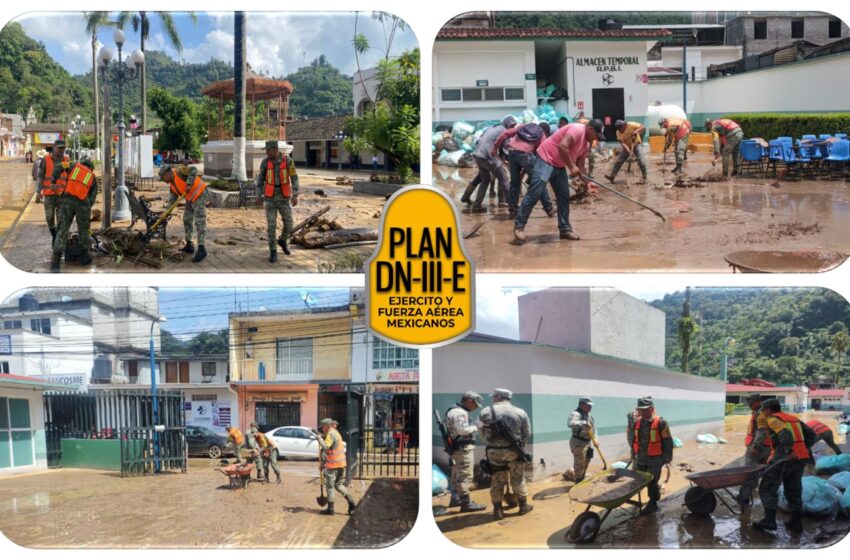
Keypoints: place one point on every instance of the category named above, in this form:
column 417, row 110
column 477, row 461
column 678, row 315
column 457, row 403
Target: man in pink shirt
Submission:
column 562, row 153
column 522, row 142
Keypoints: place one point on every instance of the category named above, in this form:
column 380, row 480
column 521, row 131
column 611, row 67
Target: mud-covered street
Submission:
column 70, row 508
column 673, row 526
column 236, row 237
column 703, row 224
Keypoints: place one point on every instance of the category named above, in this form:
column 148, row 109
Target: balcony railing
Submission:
column 268, row 370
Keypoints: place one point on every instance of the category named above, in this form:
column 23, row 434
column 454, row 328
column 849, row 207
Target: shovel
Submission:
column 510, row 498
column 322, row 500
column 618, row 193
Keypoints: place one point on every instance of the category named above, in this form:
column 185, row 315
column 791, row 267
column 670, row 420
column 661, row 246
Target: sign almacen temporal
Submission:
column 420, row 280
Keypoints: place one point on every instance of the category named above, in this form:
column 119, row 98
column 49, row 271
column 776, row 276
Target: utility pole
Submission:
column 239, row 48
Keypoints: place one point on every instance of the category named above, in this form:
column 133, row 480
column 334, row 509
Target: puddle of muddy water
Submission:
column 34, row 503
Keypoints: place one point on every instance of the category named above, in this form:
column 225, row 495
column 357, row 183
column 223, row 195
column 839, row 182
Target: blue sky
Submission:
column 278, row 42
column 191, row 310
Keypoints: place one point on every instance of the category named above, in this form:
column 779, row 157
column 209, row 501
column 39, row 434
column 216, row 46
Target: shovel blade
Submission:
column 322, row 501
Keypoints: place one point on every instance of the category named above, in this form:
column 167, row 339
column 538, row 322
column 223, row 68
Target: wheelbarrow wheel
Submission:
column 585, row 528
column 700, row 501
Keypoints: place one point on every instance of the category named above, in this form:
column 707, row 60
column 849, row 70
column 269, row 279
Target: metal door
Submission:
column 609, row 105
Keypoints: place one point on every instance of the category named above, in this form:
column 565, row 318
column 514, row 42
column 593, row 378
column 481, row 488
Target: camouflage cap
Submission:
column 503, row 393
column 165, row 168
column 473, row 396
column 772, row 403
column 271, row 144
column 754, row 397
column 585, row 400
column 326, row 422
column 644, row 403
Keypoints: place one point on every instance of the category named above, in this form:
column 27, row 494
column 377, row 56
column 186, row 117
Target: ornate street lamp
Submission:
column 120, row 71
column 340, row 136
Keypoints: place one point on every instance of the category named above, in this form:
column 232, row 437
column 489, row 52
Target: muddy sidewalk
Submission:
column 672, row 527
column 97, row 509
column 703, row 223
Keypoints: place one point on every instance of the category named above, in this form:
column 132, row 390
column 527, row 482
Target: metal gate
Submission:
column 271, row 415
column 127, row 415
column 53, row 442
column 389, row 440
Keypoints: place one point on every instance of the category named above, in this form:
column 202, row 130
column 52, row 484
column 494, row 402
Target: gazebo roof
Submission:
column 256, row 87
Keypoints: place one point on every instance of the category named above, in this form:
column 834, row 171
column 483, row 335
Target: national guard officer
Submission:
column 583, row 429
column 334, row 463
column 506, row 430
column 792, row 440
column 50, row 183
column 75, row 203
column 186, row 180
column 758, row 444
column 727, row 136
column 652, row 448
column 462, row 436
column 279, row 183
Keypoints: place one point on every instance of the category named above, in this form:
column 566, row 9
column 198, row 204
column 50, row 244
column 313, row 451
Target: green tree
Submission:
column 209, row 343
column 170, row 345
column 320, row 90
column 839, row 343
column 183, row 127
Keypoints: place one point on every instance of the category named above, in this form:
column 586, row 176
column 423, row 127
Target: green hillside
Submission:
column 781, row 335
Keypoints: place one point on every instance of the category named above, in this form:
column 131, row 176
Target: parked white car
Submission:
column 295, row 442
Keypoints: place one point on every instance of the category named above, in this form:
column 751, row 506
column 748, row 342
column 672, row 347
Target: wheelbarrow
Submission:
column 607, row 490
column 238, row 475
column 701, row 498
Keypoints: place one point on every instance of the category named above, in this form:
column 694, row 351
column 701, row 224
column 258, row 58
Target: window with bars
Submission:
column 760, row 29
column 208, row 369
column 4, row 367
column 294, row 358
column 390, row 356
column 798, row 29
column 835, row 29
column 482, row 94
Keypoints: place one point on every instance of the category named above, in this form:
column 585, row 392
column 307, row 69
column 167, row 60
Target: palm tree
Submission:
column 141, row 23
column 93, row 21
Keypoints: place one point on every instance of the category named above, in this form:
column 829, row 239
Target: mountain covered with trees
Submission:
column 784, row 335
column 203, row 343
column 585, row 20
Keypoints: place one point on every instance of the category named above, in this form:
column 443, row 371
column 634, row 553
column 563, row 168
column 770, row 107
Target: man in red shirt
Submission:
column 522, row 143
column 559, row 157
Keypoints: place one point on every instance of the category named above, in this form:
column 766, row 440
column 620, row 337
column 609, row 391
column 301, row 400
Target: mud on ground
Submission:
column 96, row 509
column 672, row 527
column 702, row 224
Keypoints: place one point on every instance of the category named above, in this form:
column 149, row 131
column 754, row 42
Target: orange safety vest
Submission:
column 654, row 447
column 818, row 427
column 47, row 186
column 683, row 130
column 178, row 187
column 794, row 425
column 80, row 181
column 262, row 439
column 335, row 456
column 236, row 435
column 728, row 124
column 285, row 187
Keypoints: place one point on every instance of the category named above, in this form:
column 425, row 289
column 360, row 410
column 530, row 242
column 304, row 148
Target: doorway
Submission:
column 609, row 105
column 271, row 415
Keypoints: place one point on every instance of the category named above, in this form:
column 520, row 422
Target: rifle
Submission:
column 506, row 433
column 448, row 445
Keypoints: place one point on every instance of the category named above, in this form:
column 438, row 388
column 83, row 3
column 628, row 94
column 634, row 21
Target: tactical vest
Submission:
column 279, row 173
column 728, row 125
column 683, row 130
column 236, row 435
column 80, row 181
column 262, row 440
column 653, row 448
column 334, row 456
column 47, row 186
column 577, row 431
column 795, row 426
column 178, row 187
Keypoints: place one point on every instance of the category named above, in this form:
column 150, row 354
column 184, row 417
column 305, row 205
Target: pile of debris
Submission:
column 687, row 182
column 318, row 232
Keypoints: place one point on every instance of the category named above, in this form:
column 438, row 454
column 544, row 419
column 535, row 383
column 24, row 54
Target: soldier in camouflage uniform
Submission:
column 49, row 182
column 462, row 436
column 678, row 133
column 278, row 181
column 758, row 445
column 334, row 465
column 507, row 463
column 267, row 454
column 792, row 440
column 652, row 448
column 581, row 424
column 253, row 445
column 727, row 136
column 195, row 205
column 81, row 182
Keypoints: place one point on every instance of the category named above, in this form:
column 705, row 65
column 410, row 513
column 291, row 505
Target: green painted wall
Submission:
column 102, row 454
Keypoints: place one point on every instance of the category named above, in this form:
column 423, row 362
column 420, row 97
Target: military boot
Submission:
column 52, row 236
column 478, row 209
column 272, row 256
column 524, row 506
column 200, row 255
column 468, row 505
column 678, row 169
column 795, row 524
column 498, row 514
column 85, row 259
column 329, row 510
column 769, row 521
column 649, row 508
column 188, row 248
column 352, row 505
column 278, row 478
column 55, row 262
column 284, row 246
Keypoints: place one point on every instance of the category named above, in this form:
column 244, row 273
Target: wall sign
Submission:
column 607, row 79
column 482, row 83
column 531, row 76
column 608, row 63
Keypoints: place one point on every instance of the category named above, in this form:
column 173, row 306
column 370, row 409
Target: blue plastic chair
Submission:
column 839, row 155
column 752, row 157
column 809, row 137
column 842, row 135
column 825, row 136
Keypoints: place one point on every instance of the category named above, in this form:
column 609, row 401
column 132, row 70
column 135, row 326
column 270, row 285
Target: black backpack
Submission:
column 530, row 132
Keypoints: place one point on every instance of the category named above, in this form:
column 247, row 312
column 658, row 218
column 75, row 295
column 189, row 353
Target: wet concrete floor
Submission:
column 703, row 224
column 97, row 509
column 673, row 526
